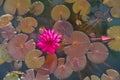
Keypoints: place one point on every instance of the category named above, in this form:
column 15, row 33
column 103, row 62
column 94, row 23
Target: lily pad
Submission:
column 4, row 56
column 111, row 75
column 18, row 46
column 63, row 27
column 77, row 63
column 63, row 71
column 92, row 77
column 27, row 25
column 115, row 12
column 60, row 12
column 5, row 20
column 97, row 53
column 21, row 6
column 81, row 6
column 79, row 44
column 114, row 33
column 37, row 8
column 33, row 60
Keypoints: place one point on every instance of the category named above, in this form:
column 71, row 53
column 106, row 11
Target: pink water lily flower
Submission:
column 49, row 41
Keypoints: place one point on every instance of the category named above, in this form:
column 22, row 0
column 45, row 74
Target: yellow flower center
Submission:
column 75, row 43
column 22, row 46
column 17, row 4
column 110, row 78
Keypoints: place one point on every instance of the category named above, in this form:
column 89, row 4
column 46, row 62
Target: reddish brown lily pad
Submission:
column 98, row 52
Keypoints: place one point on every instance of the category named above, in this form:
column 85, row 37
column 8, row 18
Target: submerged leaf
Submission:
column 60, row 11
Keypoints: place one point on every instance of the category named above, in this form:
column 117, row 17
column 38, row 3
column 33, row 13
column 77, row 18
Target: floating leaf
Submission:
column 77, row 63
column 111, row 75
column 4, row 56
column 18, row 46
column 93, row 77
column 81, row 6
column 8, row 32
column 21, row 6
column 63, row 27
column 43, row 70
column 115, row 7
column 79, row 44
column 42, row 77
column 1, row 53
column 30, row 75
column 5, row 20
column 97, row 53
column 37, row 8
column 105, row 77
column 11, row 76
column 112, row 3
column 51, row 62
column 114, row 33
column 86, row 78
column 108, row 2
column 70, row 1
column 33, row 60
column 115, row 12
column 60, row 11
column 27, row 25
column 63, row 71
